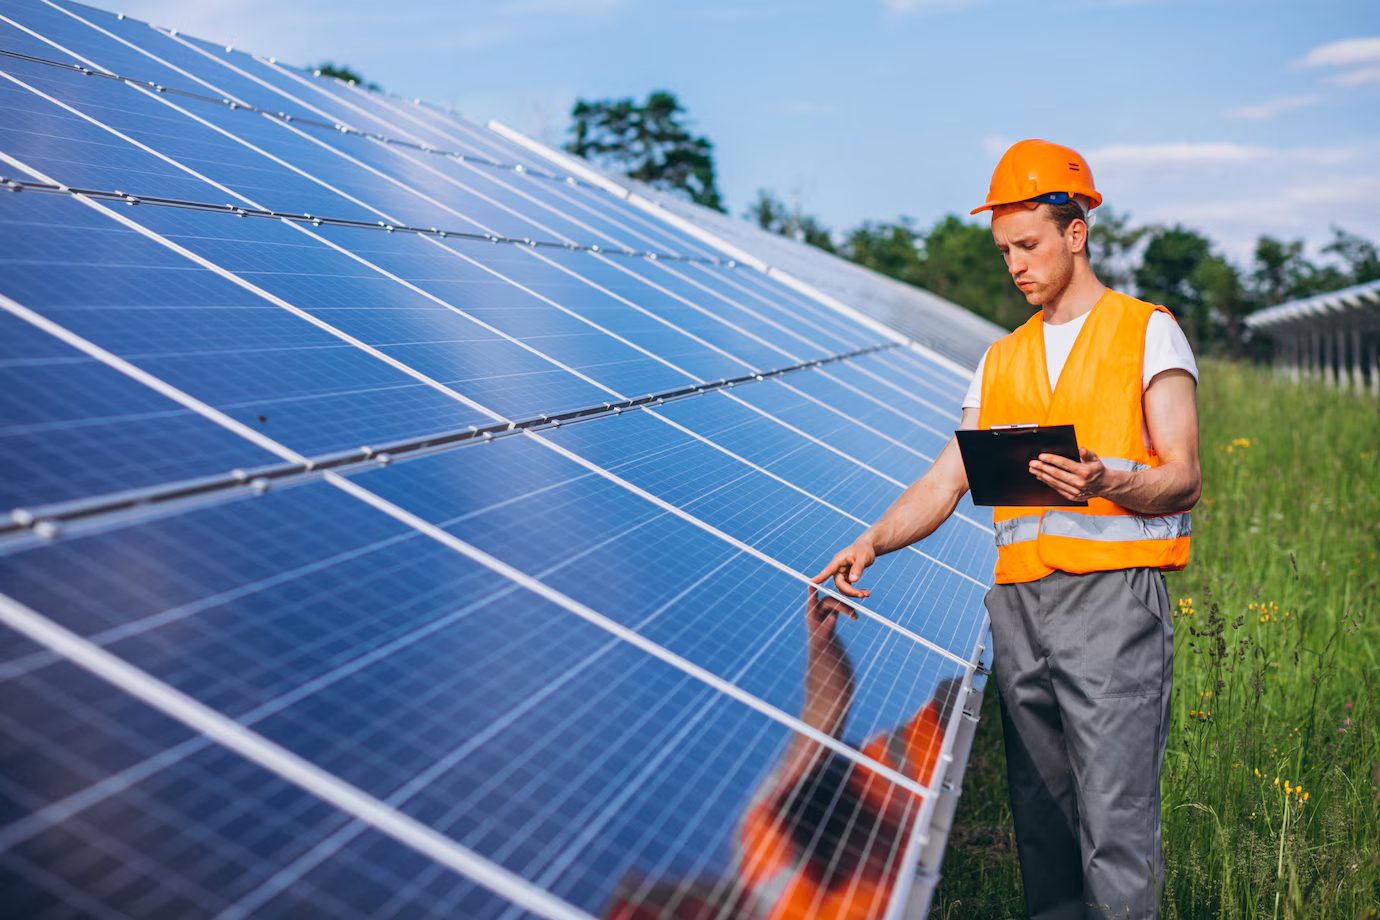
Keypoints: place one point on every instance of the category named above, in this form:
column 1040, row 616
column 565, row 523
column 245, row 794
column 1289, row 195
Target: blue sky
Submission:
column 1233, row 117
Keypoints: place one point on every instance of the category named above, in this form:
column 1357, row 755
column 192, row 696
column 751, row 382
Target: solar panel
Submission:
column 946, row 328
column 400, row 524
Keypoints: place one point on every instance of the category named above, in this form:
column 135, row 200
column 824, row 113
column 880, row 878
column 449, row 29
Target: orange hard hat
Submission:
column 1032, row 169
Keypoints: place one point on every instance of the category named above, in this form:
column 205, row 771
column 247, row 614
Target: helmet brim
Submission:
column 1093, row 201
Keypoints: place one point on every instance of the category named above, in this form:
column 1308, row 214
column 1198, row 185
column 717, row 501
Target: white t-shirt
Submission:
column 1166, row 348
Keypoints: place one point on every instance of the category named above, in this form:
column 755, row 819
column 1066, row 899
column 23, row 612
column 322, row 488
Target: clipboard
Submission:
column 998, row 463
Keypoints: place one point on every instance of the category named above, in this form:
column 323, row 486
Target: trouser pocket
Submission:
column 1124, row 615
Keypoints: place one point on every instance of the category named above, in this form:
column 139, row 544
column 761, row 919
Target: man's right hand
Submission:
column 914, row 515
column 847, row 567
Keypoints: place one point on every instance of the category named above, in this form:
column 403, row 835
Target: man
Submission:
column 1082, row 641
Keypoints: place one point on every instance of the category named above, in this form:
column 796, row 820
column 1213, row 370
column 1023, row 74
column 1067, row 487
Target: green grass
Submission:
column 1277, row 632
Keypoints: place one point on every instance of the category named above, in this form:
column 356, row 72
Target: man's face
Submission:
column 1038, row 256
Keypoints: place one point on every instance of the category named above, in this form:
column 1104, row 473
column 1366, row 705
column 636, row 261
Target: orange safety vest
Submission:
column 1099, row 392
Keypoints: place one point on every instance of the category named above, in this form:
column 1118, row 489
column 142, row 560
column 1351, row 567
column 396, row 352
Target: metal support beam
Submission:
column 1358, row 383
column 1374, row 367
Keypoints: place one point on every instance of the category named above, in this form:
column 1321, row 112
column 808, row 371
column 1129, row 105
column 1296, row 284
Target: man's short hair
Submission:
column 1065, row 214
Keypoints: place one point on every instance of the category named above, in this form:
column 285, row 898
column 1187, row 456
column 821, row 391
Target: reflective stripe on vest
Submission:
column 1124, row 465
column 1115, row 528
column 1112, row 528
column 1017, row 530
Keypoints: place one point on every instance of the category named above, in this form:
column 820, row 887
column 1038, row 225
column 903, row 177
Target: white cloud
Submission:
column 1270, row 108
column 1306, row 211
column 1346, row 53
column 904, row 7
column 1234, row 193
column 1174, row 154
column 1213, row 155
column 1360, row 76
column 994, row 145
column 1357, row 59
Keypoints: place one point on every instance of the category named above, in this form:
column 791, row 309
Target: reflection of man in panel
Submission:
column 1082, row 641
column 824, row 835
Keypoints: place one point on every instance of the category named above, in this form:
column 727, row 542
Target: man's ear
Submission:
column 1078, row 236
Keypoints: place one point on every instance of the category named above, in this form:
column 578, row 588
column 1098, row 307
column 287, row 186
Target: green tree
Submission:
column 1166, row 276
column 649, row 142
column 341, row 72
column 1113, row 245
column 959, row 262
column 1281, row 271
column 1358, row 255
column 953, row 259
column 891, row 249
column 773, row 215
column 1225, row 299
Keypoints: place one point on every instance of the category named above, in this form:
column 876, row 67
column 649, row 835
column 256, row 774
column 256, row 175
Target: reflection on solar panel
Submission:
column 401, row 526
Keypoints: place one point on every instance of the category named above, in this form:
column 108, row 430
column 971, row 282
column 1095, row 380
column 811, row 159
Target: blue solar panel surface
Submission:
column 438, row 543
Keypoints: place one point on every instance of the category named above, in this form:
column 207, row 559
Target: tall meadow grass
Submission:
column 1271, row 783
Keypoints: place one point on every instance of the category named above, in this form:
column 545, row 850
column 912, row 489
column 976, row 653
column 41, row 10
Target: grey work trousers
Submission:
column 1083, row 664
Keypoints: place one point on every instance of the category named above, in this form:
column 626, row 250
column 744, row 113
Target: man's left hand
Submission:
column 1074, row 480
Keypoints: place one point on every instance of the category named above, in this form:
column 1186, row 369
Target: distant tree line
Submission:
column 341, row 72
column 1179, row 267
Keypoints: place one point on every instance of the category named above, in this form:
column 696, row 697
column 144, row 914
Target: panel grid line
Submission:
column 687, row 479
column 458, row 157
column 317, row 220
column 739, row 255
column 240, row 105
column 350, row 339
column 124, row 672
column 784, row 329
column 479, row 139
column 920, row 834
column 280, row 761
column 296, row 311
column 370, row 349
column 324, row 850
column 298, row 78
column 864, row 395
column 383, row 453
column 454, row 156
column 527, row 581
column 861, row 393
column 73, row 804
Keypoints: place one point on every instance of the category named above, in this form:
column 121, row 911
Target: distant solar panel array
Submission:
column 1333, row 337
column 943, row 327
column 397, row 525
